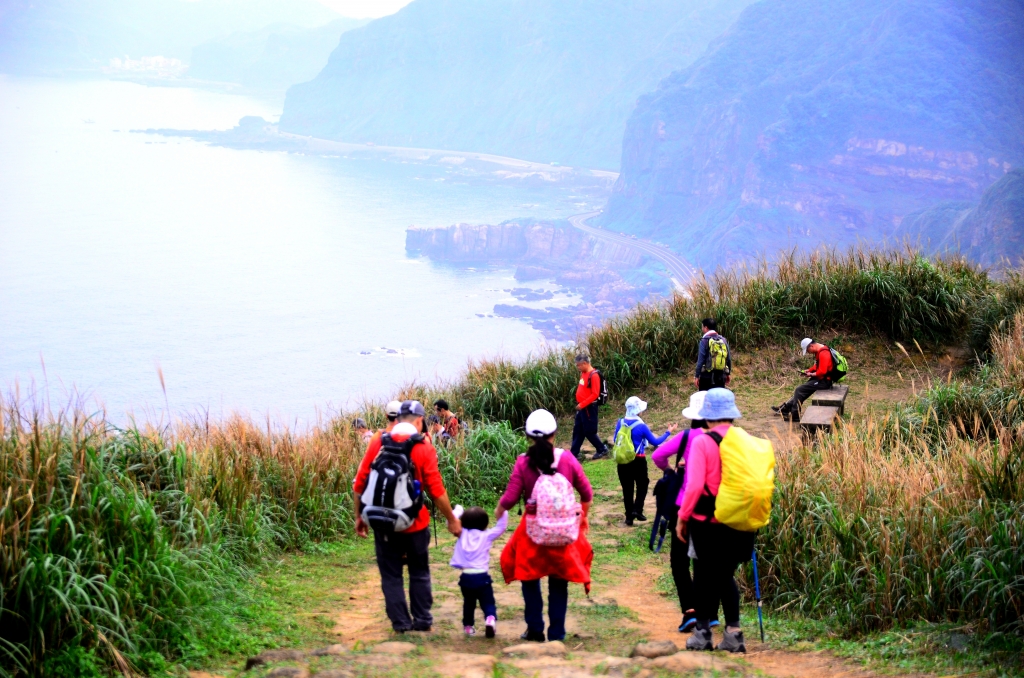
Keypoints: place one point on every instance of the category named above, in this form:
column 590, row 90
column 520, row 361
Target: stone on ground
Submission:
column 464, row 665
column 395, row 647
column 682, row 662
column 554, row 648
column 288, row 672
column 273, row 656
column 661, row 648
column 330, row 650
column 335, row 673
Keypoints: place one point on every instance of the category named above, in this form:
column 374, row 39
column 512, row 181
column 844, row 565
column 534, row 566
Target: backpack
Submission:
column 744, row 500
column 839, row 366
column 623, row 451
column 392, row 499
column 603, row 397
column 556, row 520
column 718, row 354
column 666, row 490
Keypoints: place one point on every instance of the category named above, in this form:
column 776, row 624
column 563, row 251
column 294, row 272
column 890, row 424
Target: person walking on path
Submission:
column 473, row 556
column 671, row 457
column 526, row 561
column 714, row 358
column 395, row 549
column 450, row 425
column 633, row 474
column 719, row 549
column 820, row 377
column 588, row 393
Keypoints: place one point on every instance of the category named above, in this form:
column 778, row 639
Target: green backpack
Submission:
column 718, row 354
column 839, row 366
column 623, row 451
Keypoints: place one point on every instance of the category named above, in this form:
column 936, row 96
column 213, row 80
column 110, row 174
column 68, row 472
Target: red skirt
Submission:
column 523, row 560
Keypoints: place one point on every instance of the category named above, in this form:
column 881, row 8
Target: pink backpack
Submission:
column 557, row 518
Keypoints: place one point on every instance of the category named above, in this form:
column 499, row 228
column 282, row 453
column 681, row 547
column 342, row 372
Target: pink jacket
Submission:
column 523, row 478
column 703, row 467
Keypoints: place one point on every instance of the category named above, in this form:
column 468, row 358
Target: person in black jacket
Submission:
column 707, row 376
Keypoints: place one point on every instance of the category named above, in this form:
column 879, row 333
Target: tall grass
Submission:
column 898, row 294
column 917, row 516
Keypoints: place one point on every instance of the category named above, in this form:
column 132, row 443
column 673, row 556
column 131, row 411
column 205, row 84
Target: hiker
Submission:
column 450, row 427
column 397, row 514
column 588, row 396
column 820, row 378
column 362, row 430
column 473, row 556
column 550, row 540
column 707, row 501
column 671, row 458
column 714, row 359
column 391, row 411
column 631, row 438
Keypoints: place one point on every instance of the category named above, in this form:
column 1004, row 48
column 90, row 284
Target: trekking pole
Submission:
column 661, row 533
column 757, row 595
column 433, row 520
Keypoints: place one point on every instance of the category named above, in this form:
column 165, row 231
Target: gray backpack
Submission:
column 392, row 499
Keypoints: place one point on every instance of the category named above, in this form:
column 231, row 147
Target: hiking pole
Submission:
column 757, row 595
column 661, row 533
column 654, row 532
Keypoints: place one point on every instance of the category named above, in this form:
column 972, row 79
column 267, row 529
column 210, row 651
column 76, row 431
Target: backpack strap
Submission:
column 682, row 446
column 706, row 503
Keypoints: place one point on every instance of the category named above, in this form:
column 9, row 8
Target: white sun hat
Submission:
column 634, row 403
column 540, row 424
column 696, row 402
column 805, row 343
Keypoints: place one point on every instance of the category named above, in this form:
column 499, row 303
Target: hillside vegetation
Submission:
column 133, row 546
column 811, row 122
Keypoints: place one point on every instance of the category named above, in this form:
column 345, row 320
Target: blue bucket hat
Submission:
column 719, row 403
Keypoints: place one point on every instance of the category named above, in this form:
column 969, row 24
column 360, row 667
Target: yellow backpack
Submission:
column 744, row 500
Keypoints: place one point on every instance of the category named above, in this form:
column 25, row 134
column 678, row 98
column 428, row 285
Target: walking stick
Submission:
column 757, row 595
column 661, row 533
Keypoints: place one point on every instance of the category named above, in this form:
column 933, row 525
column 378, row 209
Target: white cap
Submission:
column 393, row 408
column 540, row 424
column 633, row 402
column 402, row 432
column 805, row 343
column 696, row 403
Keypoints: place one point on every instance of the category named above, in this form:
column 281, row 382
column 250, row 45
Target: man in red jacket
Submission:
column 820, row 379
column 588, row 391
column 395, row 550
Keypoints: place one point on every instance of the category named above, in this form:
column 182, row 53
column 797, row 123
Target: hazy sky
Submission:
column 365, row 8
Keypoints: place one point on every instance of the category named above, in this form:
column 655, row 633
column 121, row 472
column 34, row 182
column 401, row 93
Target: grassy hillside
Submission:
column 134, row 545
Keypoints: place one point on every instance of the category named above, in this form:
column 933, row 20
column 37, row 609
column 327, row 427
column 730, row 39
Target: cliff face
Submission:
column 534, row 79
column 508, row 242
column 812, row 122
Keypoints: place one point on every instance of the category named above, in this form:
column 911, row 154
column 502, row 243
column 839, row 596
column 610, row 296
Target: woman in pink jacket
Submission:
column 719, row 548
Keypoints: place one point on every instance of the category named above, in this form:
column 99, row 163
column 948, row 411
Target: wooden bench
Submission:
column 818, row 418
column 833, row 397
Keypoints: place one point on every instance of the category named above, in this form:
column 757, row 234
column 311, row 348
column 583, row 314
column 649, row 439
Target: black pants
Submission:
column 558, row 603
column 679, row 558
column 393, row 551
column 710, row 380
column 803, row 392
column 634, row 476
column 585, row 428
column 478, row 587
column 720, row 550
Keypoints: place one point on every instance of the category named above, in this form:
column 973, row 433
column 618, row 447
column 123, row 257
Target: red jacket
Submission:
column 822, row 364
column 424, row 469
column 589, row 388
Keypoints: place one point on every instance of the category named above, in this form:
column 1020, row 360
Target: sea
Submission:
column 156, row 278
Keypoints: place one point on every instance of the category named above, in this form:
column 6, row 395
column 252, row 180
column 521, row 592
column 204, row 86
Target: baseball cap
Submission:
column 413, row 407
column 402, row 432
column 540, row 424
column 807, row 341
column 393, row 409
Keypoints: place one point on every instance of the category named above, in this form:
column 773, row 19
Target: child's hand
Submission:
column 455, row 526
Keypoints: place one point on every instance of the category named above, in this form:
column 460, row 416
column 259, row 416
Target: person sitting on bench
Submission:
column 820, row 379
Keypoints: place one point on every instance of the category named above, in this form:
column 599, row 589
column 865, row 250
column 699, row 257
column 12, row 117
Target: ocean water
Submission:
column 265, row 283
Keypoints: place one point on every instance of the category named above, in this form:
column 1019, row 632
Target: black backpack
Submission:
column 666, row 490
column 392, row 500
column 603, row 397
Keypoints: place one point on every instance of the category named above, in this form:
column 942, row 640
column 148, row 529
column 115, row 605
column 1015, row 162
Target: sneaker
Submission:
column 777, row 408
column 689, row 621
column 470, row 631
column 599, row 455
column 732, row 642
column 700, row 640
column 629, row 521
column 640, row 517
column 490, row 626
column 533, row 636
column 713, row 623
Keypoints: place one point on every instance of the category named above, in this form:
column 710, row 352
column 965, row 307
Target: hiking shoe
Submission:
column 777, row 408
column 629, row 521
column 700, row 640
column 532, row 636
column 470, row 631
column 641, row 517
column 689, row 621
column 599, row 455
column 732, row 642
column 489, row 626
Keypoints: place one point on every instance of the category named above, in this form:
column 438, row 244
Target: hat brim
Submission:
column 725, row 413
column 692, row 413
